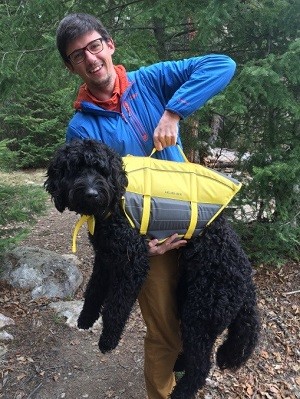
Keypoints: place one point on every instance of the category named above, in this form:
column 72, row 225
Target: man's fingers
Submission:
column 158, row 146
column 153, row 243
column 161, row 142
column 171, row 242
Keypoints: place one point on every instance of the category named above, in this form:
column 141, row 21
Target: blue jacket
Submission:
column 178, row 86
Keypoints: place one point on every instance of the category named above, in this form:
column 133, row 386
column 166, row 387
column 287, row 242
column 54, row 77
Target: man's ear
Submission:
column 111, row 45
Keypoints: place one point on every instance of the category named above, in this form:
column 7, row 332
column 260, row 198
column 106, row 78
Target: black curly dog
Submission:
column 215, row 291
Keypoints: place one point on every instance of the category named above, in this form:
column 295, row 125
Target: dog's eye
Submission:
column 104, row 171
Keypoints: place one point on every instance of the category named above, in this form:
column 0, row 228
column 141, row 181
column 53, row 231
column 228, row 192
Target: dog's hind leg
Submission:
column 95, row 294
column 210, row 293
column 196, row 368
column 242, row 335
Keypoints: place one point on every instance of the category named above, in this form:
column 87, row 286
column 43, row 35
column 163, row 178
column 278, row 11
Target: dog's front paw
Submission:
column 85, row 321
column 107, row 343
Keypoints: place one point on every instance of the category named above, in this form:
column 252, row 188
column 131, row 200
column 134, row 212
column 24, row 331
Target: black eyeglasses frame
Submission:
column 83, row 49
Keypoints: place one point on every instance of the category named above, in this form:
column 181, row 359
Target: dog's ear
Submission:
column 122, row 182
column 54, row 184
column 110, row 165
column 117, row 171
column 53, row 187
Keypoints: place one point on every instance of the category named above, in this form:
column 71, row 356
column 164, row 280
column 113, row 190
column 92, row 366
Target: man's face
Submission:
column 96, row 70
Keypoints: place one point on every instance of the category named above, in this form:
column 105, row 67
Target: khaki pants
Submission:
column 159, row 310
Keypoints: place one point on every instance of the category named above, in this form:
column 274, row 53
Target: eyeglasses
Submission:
column 94, row 47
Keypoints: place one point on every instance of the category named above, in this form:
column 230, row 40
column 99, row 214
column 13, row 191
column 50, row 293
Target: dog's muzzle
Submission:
column 89, row 196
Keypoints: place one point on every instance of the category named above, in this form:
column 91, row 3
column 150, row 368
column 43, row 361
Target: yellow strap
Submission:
column 152, row 152
column 90, row 220
column 126, row 214
column 146, row 199
column 182, row 153
column 146, row 214
column 180, row 150
column 193, row 221
column 91, row 224
column 194, row 208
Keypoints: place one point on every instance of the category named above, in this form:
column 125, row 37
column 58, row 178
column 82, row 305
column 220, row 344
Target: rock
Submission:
column 3, row 350
column 70, row 310
column 5, row 321
column 45, row 273
column 5, row 336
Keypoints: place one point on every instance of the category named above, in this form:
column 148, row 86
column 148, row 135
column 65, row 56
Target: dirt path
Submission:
column 49, row 360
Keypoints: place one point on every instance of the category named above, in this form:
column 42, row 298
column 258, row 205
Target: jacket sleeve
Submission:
column 188, row 84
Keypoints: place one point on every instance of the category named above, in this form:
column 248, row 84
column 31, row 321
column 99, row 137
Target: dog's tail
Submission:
column 242, row 337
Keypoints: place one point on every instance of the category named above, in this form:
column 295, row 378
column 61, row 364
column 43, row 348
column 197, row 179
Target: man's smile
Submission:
column 96, row 68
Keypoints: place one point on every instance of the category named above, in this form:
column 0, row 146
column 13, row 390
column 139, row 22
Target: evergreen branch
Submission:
column 22, row 52
column 122, row 6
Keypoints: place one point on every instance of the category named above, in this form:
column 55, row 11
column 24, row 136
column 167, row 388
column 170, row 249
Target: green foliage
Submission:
column 280, row 181
column 258, row 112
column 35, row 102
column 19, row 207
column 273, row 235
column 36, row 127
column 271, row 242
column 7, row 158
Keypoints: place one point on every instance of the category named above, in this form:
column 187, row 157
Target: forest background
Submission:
column 257, row 116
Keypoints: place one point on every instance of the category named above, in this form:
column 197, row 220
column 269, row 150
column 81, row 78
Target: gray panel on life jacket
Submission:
column 168, row 216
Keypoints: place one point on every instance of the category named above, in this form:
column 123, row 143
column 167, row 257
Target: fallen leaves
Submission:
column 35, row 359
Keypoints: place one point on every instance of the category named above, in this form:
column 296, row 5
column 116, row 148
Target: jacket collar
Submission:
column 84, row 95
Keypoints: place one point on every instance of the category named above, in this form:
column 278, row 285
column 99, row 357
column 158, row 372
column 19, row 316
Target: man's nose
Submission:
column 89, row 56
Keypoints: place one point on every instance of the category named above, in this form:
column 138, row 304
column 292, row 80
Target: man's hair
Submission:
column 75, row 25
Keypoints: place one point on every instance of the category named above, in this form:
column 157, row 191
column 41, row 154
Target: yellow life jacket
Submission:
column 167, row 197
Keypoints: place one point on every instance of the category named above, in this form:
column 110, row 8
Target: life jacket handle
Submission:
column 179, row 149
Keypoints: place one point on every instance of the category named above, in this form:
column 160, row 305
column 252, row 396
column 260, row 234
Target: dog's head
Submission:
column 87, row 177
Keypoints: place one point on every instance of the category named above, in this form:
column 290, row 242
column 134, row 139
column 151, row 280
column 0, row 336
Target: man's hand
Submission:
column 170, row 243
column 166, row 131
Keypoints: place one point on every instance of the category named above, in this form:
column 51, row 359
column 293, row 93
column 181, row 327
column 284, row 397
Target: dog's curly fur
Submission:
column 215, row 291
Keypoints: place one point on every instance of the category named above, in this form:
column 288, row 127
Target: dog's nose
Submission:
column 91, row 193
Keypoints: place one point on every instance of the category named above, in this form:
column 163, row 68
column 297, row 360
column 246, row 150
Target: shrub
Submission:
column 19, row 206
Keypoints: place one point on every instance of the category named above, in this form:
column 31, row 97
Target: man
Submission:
column 133, row 112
